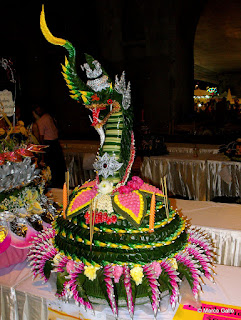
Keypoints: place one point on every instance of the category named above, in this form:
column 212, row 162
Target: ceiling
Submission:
column 217, row 47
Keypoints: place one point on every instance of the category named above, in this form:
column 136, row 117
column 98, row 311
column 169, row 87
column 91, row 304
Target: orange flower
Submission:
column 95, row 97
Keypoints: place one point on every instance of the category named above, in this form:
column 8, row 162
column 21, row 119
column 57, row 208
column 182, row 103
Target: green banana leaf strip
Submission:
column 185, row 272
column 76, row 231
column 101, row 278
column 133, row 288
column 80, row 287
column 164, row 281
column 112, row 254
column 48, row 267
column 60, row 281
column 145, row 282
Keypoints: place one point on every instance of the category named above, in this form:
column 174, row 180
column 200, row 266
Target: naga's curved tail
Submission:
column 46, row 32
column 74, row 83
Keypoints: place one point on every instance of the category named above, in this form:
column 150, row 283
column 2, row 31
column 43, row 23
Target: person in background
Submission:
column 221, row 112
column 53, row 156
column 34, row 130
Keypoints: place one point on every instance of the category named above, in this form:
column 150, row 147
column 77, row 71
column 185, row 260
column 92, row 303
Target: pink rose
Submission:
column 117, row 272
column 156, row 268
column 70, row 266
column 133, row 185
column 124, row 189
column 138, row 180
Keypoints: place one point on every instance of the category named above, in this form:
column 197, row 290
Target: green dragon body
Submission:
column 99, row 96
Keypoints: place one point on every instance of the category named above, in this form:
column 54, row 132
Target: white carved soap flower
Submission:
column 105, row 187
column 107, row 165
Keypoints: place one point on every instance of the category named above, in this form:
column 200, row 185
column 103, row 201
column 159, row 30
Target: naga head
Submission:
column 98, row 93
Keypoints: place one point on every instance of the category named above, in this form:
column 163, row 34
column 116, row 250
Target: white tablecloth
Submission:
column 196, row 178
column 224, row 179
column 22, row 299
column 222, row 221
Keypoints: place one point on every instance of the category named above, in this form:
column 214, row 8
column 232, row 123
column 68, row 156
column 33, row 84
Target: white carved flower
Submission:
column 107, row 165
column 105, row 187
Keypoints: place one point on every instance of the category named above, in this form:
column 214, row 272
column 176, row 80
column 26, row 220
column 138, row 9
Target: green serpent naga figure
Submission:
column 118, row 240
column 110, row 106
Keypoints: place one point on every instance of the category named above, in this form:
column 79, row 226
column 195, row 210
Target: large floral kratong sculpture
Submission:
column 119, row 240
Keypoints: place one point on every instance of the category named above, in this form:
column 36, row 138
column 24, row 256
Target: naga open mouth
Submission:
column 95, row 117
column 96, row 122
column 96, row 108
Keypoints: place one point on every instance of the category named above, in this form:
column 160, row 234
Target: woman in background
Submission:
column 53, row 156
column 34, row 130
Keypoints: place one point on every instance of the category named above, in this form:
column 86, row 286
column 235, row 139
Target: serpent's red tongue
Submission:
column 95, row 114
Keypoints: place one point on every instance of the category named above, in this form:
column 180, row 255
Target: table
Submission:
column 222, row 221
column 174, row 147
column 22, row 299
column 201, row 177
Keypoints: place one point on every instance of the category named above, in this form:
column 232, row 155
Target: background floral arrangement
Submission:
column 24, row 208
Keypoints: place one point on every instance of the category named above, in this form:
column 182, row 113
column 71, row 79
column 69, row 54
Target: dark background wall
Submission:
column 217, row 46
column 151, row 40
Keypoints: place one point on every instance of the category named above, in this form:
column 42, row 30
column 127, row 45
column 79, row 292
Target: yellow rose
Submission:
column 137, row 275
column 90, row 272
